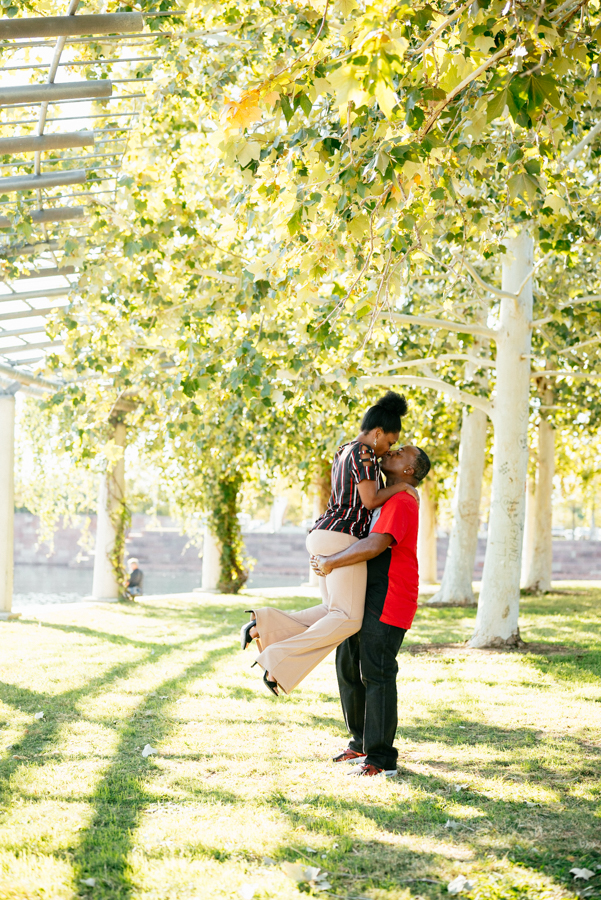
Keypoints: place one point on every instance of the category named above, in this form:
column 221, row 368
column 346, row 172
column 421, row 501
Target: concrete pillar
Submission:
column 105, row 585
column 7, row 503
column 320, row 490
column 211, row 566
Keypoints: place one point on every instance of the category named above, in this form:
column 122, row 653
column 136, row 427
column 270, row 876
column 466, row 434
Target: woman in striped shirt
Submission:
column 292, row 644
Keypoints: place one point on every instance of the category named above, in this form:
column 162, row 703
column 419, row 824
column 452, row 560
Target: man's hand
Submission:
column 411, row 490
column 320, row 565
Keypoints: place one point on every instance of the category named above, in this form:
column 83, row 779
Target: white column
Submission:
column 426, row 535
column 105, row 585
column 456, row 587
column 499, row 602
column 538, row 577
column 7, row 503
column 211, row 566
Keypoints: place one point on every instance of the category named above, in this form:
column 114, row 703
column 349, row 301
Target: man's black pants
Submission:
column 367, row 667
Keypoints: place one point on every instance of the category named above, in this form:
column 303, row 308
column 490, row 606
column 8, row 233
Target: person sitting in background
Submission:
column 136, row 579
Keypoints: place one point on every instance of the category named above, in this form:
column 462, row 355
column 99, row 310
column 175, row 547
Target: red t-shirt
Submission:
column 393, row 577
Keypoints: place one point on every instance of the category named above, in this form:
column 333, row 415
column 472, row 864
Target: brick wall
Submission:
column 163, row 548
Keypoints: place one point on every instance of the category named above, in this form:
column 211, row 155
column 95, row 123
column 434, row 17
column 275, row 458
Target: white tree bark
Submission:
column 540, row 567
column 105, row 585
column 7, row 502
column 528, row 547
column 456, row 587
column 499, row 602
column 426, row 535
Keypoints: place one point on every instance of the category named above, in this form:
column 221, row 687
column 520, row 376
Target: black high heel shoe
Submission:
column 271, row 685
column 245, row 637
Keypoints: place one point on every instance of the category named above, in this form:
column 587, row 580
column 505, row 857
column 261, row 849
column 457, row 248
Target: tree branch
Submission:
column 565, row 374
column 436, row 384
column 504, row 51
column 590, row 298
column 467, row 328
column 577, row 150
column 580, row 345
column 483, row 284
column 478, row 362
column 440, row 29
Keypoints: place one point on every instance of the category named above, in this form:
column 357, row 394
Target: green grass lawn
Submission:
column 499, row 776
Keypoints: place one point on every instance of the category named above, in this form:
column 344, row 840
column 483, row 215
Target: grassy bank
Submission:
column 499, row 775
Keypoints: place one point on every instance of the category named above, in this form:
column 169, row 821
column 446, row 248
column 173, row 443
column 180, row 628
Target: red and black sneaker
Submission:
column 371, row 771
column 349, row 756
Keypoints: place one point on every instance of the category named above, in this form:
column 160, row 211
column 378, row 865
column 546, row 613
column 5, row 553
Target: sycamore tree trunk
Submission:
column 540, row 563
column 499, row 602
column 528, row 547
column 456, row 587
column 225, row 542
column 426, row 536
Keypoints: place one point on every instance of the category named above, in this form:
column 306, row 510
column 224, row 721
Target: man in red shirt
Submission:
column 366, row 663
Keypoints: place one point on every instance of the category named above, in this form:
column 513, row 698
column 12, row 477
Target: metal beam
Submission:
column 40, row 182
column 47, row 93
column 66, row 26
column 50, row 272
column 31, row 142
column 17, row 332
column 59, row 214
column 76, row 100
column 29, row 249
column 36, row 295
column 29, row 313
column 42, row 216
column 28, row 378
column 25, row 346
column 85, row 62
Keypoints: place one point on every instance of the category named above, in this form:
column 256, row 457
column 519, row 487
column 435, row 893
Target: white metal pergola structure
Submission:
column 62, row 140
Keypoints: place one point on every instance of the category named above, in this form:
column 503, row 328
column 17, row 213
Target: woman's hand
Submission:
column 321, row 565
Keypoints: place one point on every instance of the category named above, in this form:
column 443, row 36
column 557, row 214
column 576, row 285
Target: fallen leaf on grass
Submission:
column 311, row 875
column 39, row 715
column 248, row 891
column 459, row 884
column 148, row 751
column 582, row 873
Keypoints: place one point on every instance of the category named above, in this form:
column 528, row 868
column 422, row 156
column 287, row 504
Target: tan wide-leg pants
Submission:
column 292, row 644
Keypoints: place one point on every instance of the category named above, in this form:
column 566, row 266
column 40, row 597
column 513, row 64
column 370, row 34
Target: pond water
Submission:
column 36, row 585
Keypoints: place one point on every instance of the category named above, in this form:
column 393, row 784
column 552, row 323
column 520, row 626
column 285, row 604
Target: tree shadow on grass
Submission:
column 63, row 709
column 541, row 840
column 120, row 798
column 572, row 667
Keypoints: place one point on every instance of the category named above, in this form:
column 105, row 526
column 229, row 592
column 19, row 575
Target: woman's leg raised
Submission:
column 276, row 625
column 291, row 660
